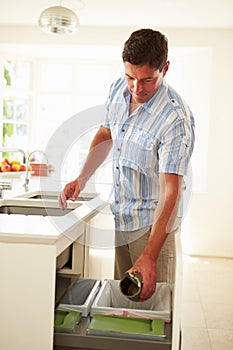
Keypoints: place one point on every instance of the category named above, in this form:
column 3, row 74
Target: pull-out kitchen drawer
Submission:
column 79, row 340
column 108, row 301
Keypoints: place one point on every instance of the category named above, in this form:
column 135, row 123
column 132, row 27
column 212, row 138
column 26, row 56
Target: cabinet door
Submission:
column 99, row 246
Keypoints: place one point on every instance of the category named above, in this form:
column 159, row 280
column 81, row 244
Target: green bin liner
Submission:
column 126, row 326
column 66, row 320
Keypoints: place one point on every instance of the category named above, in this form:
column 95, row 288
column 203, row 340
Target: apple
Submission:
column 15, row 161
column 6, row 160
column 15, row 167
column 2, row 164
column 5, row 168
column 22, row 167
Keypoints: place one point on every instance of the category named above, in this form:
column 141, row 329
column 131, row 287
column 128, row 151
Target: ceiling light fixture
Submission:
column 58, row 20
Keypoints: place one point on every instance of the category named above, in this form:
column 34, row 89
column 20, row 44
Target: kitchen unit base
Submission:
column 79, row 340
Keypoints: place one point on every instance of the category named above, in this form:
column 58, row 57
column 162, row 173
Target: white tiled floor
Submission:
column 207, row 304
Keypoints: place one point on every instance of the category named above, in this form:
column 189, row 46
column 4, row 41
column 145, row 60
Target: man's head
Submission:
column 146, row 46
column 145, row 61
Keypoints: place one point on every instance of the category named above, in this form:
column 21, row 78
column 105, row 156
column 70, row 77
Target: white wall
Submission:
column 209, row 222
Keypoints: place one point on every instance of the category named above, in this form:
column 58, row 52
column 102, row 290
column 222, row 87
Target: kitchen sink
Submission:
column 41, row 207
column 54, row 196
column 44, row 203
column 43, row 211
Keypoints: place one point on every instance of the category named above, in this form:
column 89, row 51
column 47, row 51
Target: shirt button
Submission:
column 117, row 167
column 123, row 130
column 117, row 202
column 118, row 149
column 118, row 185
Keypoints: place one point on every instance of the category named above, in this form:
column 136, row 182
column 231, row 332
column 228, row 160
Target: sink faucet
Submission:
column 26, row 183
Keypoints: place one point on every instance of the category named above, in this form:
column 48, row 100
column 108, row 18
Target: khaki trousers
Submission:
column 128, row 249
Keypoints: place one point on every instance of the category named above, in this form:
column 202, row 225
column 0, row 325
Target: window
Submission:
column 15, row 103
column 43, row 87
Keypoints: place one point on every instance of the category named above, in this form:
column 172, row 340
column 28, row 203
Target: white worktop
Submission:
column 20, row 228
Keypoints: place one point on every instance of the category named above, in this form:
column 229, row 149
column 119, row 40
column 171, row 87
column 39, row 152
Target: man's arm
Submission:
column 165, row 215
column 98, row 151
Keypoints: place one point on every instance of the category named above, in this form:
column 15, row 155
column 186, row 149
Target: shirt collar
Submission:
column 149, row 104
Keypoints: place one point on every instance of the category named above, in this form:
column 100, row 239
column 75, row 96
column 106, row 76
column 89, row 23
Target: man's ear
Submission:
column 165, row 68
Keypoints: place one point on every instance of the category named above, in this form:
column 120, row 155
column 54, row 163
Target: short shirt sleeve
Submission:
column 176, row 147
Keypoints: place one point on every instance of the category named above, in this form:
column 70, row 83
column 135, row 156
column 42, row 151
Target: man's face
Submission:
column 143, row 81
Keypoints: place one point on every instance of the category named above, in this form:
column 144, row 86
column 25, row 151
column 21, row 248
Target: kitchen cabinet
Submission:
column 80, row 340
column 29, row 247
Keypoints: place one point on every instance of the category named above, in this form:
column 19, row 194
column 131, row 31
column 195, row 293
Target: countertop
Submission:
column 42, row 229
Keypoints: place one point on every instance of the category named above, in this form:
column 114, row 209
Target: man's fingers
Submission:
column 71, row 190
column 62, row 200
column 75, row 195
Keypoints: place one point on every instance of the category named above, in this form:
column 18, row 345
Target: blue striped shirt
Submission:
column 157, row 137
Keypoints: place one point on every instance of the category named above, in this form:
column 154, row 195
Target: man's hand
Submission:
column 145, row 265
column 71, row 190
column 99, row 149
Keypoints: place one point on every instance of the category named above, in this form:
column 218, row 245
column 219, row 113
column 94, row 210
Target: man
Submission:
column 151, row 130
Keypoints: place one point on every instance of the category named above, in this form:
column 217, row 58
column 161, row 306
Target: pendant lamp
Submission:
column 58, row 20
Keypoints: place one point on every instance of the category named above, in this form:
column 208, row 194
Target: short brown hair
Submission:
column 146, row 46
